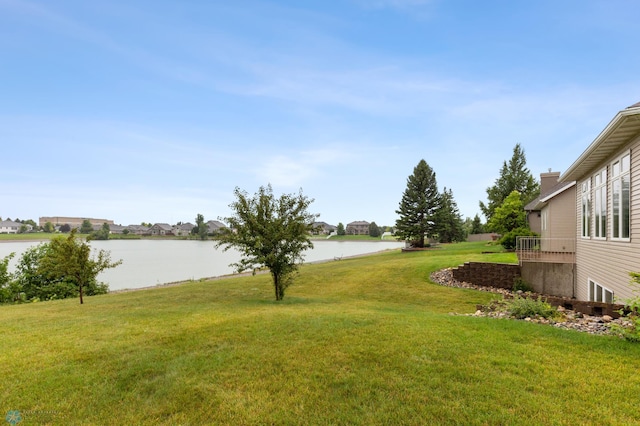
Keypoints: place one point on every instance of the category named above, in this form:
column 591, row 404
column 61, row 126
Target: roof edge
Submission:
column 604, row 134
column 558, row 192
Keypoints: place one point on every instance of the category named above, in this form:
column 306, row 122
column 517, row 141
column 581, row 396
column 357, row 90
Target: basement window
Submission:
column 598, row 293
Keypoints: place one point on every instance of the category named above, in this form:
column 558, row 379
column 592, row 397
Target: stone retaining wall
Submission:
column 501, row 275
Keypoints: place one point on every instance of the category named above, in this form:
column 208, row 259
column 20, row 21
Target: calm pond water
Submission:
column 152, row 262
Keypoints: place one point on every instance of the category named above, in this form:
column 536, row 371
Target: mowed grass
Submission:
column 366, row 340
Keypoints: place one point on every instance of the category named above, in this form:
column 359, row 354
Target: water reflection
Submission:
column 151, row 262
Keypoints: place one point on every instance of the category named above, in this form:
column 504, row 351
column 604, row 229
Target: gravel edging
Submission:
column 569, row 320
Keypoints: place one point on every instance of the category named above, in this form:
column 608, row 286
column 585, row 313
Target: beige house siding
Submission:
column 608, row 262
column 561, row 222
column 534, row 220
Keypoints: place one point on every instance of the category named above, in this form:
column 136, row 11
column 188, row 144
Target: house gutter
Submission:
column 603, row 136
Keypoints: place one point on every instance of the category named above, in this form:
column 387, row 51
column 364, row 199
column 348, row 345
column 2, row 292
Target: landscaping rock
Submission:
column 567, row 319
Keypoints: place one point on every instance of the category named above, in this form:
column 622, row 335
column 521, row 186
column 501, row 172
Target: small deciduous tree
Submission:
column 418, row 206
column 508, row 216
column 69, row 260
column 7, row 289
column 269, row 232
column 86, row 227
column 374, row 230
column 340, row 229
column 49, row 228
column 65, row 228
column 201, row 227
column 510, row 220
column 101, row 234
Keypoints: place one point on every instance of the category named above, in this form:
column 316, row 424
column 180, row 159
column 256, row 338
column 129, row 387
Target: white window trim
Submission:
column 597, row 188
column 592, row 296
column 611, row 179
column 589, row 206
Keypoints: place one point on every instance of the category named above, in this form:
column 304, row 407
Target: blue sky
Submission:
column 155, row 111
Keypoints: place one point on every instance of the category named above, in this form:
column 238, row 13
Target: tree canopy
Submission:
column 269, row 232
column 418, row 206
column 509, row 216
column 58, row 269
column 477, row 227
column 374, row 230
column 514, row 176
column 68, row 260
column 448, row 222
column 201, row 227
column 86, row 227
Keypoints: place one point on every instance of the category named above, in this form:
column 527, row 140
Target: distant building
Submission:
column 9, row 227
column 214, row 226
column 161, row 229
column 183, row 229
column 324, row 228
column 138, row 229
column 358, row 228
column 74, row 222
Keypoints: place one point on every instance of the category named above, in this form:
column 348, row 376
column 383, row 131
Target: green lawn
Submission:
column 366, row 340
column 38, row 236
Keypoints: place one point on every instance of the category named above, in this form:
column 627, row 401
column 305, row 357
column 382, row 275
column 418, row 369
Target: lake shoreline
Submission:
column 155, row 263
column 236, row 275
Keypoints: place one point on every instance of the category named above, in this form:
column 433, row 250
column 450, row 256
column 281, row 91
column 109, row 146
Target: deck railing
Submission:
column 553, row 250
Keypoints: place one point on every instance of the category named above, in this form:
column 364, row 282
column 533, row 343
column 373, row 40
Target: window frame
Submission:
column 598, row 292
column 618, row 192
column 600, row 205
column 585, row 208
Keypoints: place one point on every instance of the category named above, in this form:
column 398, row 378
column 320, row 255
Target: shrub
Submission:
column 523, row 307
column 631, row 332
column 519, row 284
column 508, row 240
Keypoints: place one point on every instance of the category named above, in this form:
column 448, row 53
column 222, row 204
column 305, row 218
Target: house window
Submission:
column 544, row 220
column 586, row 208
column 598, row 293
column 600, row 204
column 620, row 191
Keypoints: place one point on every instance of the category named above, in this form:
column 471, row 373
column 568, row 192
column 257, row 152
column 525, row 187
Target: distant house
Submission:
column 138, row 229
column 357, row 228
column 116, row 229
column 9, row 227
column 183, row 229
column 325, row 228
column 161, row 229
column 214, row 226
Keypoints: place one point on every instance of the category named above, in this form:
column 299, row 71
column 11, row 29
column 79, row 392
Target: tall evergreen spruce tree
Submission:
column 514, row 176
column 449, row 224
column 419, row 205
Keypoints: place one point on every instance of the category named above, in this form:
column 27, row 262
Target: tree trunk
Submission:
column 80, row 288
column 277, row 286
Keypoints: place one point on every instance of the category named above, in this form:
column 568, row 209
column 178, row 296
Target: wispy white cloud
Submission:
column 294, row 170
